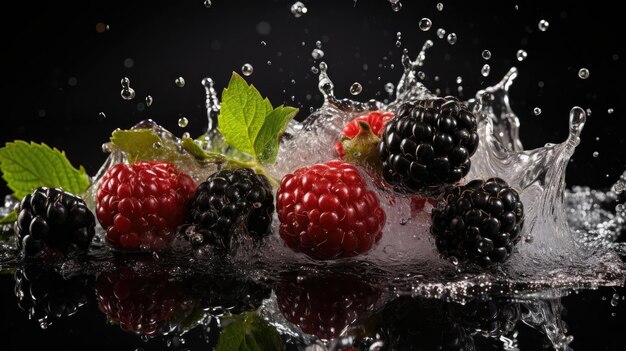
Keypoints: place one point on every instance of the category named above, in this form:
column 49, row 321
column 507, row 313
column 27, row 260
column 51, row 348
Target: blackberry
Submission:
column 228, row 199
column 44, row 294
column 52, row 219
column 428, row 144
column 478, row 222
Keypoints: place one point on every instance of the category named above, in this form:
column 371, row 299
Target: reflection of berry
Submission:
column 480, row 221
column 53, row 219
column 428, row 144
column 487, row 318
column 142, row 204
column 44, row 293
column 376, row 120
column 326, row 211
column 227, row 198
column 230, row 293
column 323, row 305
column 140, row 304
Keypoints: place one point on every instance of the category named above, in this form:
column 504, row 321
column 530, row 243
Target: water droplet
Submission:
column 486, row 54
column 314, row 70
column 157, row 145
column 595, row 154
column 102, row 115
column 183, row 122
column 269, row 63
column 318, row 44
column 298, row 9
column 588, row 112
column 441, row 33
column 399, row 35
column 452, row 38
column 180, row 82
column 459, row 80
column 439, row 7
column 207, row 3
column 149, row 100
column 421, row 75
column 398, row 43
column 263, row 43
column 521, row 55
column 425, row 24
column 389, row 87
column 610, row 111
column 396, row 5
column 356, row 88
column 537, row 111
column 186, row 135
column 485, row 70
column 125, row 82
column 293, row 81
column 543, row 25
column 247, row 69
column 583, row 73
column 127, row 92
column 317, row 54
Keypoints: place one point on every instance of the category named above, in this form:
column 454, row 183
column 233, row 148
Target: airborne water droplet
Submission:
column 318, row 44
column 537, row 111
column 314, row 70
column 421, row 75
column 439, row 7
column 127, row 92
column 486, row 54
column 452, row 38
column 543, row 25
column 183, row 122
column 317, row 54
column 485, row 70
column 298, row 9
column 389, row 87
column 102, row 115
column 247, row 69
column 425, row 24
column 441, row 33
column 583, row 73
column 521, row 55
column 595, row 154
column 207, row 3
column 396, row 5
column 610, row 111
column 149, row 100
column 459, row 80
column 180, row 82
column 356, row 88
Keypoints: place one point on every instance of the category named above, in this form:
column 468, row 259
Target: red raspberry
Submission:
column 327, row 212
column 376, row 120
column 142, row 204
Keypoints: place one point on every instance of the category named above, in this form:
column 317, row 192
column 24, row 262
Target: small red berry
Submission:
column 376, row 121
column 327, row 212
column 142, row 204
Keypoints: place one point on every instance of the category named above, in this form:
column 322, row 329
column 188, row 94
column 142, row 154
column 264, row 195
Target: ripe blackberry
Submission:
column 52, row 220
column 227, row 199
column 44, row 294
column 479, row 222
column 428, row 144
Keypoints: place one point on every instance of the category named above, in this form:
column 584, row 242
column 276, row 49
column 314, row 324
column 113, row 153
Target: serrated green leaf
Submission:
column 10, row 218
column 249, row 332
column 26, row 166
column 138, row 144
column 249, row 123
column 194, row 149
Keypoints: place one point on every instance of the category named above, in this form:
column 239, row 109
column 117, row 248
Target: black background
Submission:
column 47, row 45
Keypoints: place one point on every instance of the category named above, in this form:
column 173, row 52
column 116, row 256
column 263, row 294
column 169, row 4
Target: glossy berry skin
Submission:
column 478, row 222
column 327, row 212
column 141, row 205
column 376, row 121
column 227, row 198
column 53, row 221
column 428, row 144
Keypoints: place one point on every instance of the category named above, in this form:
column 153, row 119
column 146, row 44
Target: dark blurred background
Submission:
column 62, row 63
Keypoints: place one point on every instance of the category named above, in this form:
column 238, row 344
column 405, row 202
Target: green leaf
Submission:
column 26, row 166
column 146, row 145
column 10, row 218
column 194, row 149
column 249, row 123
column 249, row 332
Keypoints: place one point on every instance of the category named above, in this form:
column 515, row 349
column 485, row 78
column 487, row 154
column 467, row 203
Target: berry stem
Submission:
column 255, row 166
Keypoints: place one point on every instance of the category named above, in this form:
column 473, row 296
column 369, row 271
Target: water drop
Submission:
column 521, row 55
column 398, row 43
column 486, row 54
column 396, row 5
column 317, row 54
column 269, row 63
column 186, row 135
column 318, row 44
column 389, row 87
column 452, row 38
column 356, row 88
column 207, row 3
column 298, row 9
column 595, row 154
column 441, row 33
column 314, row 70
column 485, row 70
column 537, row 111
column 183, row 122
column 421, row 75
column 149, row 100
column 610, row 111
column 588, row 112
column 425, row 24
column 583, row 73
column 459, row 80
column 127, row 92
column 180, row 82
column 543, row 25
column 263, row 43
column 439, row 7
column 247, row 69
column 101, row 115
